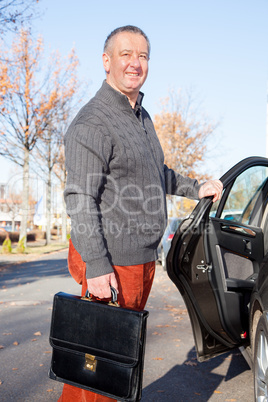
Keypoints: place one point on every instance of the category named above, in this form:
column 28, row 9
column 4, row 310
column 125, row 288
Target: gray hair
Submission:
column 126, row 28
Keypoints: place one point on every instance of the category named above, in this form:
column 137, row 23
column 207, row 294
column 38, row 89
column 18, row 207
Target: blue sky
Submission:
column 217, row 48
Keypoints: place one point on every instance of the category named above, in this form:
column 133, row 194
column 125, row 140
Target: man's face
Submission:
column 126, row 63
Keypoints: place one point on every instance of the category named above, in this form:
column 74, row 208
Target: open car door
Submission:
column 215, row 256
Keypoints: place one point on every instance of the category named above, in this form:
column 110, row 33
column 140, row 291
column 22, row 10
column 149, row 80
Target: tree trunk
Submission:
column 64, row 222
column 63, row 212
column 25, row 199
column 48, row 210
column 48, row 204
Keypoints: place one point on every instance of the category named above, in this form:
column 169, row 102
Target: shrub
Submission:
column 14, row 236
column 6, row 247
column 38, row 233
column 54, row 232
column 3, row 237
column 31, row 236
column 20, row 246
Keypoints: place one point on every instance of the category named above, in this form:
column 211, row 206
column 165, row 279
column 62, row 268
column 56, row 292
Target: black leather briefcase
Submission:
column 98, row 347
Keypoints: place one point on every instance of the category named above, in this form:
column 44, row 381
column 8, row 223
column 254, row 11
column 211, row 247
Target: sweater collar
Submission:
column 110, row 95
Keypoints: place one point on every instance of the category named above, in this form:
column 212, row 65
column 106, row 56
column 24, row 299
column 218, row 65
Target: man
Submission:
column 117, row 183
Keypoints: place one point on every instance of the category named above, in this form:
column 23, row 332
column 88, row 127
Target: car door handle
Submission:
column 238, row 229
column 204, row 267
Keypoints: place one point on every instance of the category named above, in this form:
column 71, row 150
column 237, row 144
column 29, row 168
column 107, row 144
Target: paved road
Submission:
column 172, row 372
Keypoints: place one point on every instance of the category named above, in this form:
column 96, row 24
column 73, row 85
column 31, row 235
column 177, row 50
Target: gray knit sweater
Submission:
column 117, row 184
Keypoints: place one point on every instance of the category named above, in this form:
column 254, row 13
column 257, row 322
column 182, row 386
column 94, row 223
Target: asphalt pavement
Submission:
column 171, row 371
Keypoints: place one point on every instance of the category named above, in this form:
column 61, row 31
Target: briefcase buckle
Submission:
column 90, row 363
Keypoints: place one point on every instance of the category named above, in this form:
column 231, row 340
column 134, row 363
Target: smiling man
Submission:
column 117, row 184
column 125, row 59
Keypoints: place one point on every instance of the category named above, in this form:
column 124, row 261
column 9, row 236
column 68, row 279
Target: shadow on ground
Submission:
column 21, row 273
column 193, row 381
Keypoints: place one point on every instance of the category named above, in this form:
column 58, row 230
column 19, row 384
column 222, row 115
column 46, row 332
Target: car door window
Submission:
column 244, row 194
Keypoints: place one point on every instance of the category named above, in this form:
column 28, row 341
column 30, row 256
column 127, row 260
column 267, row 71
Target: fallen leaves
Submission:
column 158, row 358
column 38, row 333
column 175, row 312
column 16, row 343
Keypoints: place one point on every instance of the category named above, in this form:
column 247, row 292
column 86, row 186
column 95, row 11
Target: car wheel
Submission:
column 163, row 259
column 261, row 360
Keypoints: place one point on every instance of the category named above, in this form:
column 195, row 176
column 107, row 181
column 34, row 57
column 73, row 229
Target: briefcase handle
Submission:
column 113, row 302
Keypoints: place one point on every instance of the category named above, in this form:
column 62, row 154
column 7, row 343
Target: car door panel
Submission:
column 237, row 270
column 233, row 274
column 214, row 263
column 247, row 241
column 191, row 277
column 238, row 252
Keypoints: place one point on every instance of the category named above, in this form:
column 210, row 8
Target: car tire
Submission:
column 163, row 259
column 261, row 360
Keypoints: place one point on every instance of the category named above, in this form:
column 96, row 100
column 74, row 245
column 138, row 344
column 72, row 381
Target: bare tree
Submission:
column 27, row 102
column 183, row 132
column 65, row 86
column 15, row 13
column 61, row 174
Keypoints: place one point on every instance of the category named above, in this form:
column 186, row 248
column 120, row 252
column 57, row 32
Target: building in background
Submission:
column 10, row 215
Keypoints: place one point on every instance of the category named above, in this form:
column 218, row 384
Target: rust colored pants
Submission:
column 134, row 282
